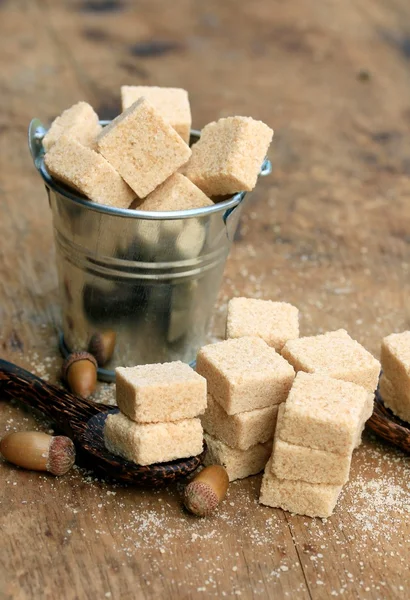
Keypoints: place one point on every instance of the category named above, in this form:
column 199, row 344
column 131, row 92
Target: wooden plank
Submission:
column 328, row 231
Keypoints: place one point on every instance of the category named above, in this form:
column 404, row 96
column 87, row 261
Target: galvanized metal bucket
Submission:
column 150, row 277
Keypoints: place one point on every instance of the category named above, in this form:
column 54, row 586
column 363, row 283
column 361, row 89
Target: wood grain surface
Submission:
column 329, row 231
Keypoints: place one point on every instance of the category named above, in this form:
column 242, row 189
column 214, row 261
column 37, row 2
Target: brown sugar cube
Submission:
column 299, row 497
column 171, row 103
column 176, row 193
column 395, row 359
column 290, row 461
column 325, row 413
column 242, row 430
column 160, row 392
column 142, row 147
column 393, row 399
column 359, row 434
column 79, row 122
column 150, row 443
column 238, row 463
column 334, row 354
column 367, row 413
column 229, row 155
column 244, row 374
column 274, row 322
column 88, row 173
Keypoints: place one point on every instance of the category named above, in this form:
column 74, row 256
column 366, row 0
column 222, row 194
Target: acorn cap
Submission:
column 200, row 499
column 74, row 357
column 208, row 488
column 61, row 455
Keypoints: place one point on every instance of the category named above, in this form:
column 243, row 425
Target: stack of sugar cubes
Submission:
column 395, row 378
column 159, row 409
column 136, row 160
column 247, row 381
column 320, row 424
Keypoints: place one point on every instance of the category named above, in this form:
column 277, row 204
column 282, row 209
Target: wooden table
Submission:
column 329, row 231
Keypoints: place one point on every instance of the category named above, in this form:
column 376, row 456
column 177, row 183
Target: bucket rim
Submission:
column 36, row 133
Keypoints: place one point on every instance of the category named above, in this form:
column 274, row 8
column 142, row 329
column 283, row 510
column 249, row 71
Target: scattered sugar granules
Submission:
column 367, row 524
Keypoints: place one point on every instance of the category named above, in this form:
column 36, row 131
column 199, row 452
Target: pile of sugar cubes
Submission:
column 158, row 419
column 267, row 399
column 395, row 379
column 315, row 418
column 247, row 381
column 316, row 433
column 321, row 423
column 142, row 159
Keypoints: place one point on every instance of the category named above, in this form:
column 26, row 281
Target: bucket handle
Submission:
column 36, row 132
column 266, row 168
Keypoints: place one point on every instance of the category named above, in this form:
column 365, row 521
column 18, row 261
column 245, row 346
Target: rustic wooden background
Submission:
column 329, row 231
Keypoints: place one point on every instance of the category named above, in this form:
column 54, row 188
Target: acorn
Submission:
column 79, row 371
column 102, row 346
column 205, row 492
column 39, row 451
